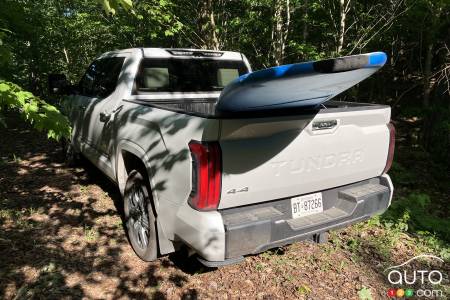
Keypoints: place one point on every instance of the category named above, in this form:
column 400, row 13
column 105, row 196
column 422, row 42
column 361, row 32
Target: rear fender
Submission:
column 165, row 245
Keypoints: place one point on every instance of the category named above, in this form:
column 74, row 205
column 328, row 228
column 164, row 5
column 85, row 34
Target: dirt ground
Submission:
column 61, row 237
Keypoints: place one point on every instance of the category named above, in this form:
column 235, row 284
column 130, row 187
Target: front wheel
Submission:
column 140, row 220
column 71, row 157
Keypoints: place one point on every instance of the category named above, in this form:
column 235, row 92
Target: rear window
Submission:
column 187, row 75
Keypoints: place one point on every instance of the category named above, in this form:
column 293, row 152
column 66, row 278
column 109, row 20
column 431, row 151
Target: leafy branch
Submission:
column 111, row 6
column 36, row 111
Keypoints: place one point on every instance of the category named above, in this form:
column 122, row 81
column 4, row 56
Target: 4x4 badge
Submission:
column 234, row 191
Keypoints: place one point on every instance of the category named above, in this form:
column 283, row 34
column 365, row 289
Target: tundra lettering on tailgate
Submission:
column 318, row 162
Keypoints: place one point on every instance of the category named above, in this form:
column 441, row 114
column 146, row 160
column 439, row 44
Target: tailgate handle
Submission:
column 321, row 125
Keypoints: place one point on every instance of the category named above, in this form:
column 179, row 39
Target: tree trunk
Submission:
column 208, row 25
column 305, row 24
column 280, row 30
column 427, row 80
column 66, row 55
column 344, row 6
column 277, row 33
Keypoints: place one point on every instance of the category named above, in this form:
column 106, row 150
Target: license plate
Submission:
column 306, row 205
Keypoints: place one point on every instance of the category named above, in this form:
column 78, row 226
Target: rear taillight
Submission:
column 206, row 175
column 390, row 156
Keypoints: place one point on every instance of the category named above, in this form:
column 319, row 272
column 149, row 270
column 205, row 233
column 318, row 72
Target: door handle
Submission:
column 117, row 109
column 104, row 117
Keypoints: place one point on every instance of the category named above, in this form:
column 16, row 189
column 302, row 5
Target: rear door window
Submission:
column 187, row 75
column 101, row 77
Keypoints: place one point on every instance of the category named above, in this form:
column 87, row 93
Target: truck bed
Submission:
column 206, row 108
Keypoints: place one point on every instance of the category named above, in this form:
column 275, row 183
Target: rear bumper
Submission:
column 228, row 234
column 254, row 229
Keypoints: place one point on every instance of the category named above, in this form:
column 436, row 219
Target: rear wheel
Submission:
column 140, row 221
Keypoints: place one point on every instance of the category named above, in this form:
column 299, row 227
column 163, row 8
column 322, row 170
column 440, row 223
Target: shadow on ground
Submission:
column 62, row 233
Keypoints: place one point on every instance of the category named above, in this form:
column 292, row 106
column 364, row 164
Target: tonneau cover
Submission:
column 307, row 84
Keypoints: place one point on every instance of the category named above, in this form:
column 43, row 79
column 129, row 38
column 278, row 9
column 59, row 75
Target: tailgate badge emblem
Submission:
column 321, row 125
column 234, row 191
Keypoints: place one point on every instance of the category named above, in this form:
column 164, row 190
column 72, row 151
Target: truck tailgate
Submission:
column 283, row 156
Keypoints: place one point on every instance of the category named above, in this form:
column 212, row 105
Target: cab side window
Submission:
column 86, row 84
column 100, row 79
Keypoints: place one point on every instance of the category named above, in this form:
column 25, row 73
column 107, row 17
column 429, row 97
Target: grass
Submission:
column 3, row 162
column 384, row 234
column 304, row 289
column 342, row 265
column 365, row 294
column 19, row 218
column 16, row 159
column 90, row 234
column 259, row 267
column 50, row 280
column 83, row 188
column 421, row 210
column 119, row 223
column 7, row 214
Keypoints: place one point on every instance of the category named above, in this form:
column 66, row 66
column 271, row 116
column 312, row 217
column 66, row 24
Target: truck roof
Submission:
column 178, row 52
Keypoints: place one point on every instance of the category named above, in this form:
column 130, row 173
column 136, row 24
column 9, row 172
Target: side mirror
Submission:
column 58, row 84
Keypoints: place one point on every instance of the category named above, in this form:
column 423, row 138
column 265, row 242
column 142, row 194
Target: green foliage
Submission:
column 111, row 6
column 365, row 294
column 402, row 175
column 418, row 214
column 5, row 54
column 417, row 218
column 308, row 51
column 436, row 135
column 36, row 111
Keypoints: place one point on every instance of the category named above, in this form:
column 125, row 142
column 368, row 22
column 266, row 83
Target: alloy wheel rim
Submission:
column 138, row 222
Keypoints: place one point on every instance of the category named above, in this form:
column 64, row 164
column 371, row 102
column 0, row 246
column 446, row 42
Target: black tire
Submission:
column 140, row 221
column 71, row 157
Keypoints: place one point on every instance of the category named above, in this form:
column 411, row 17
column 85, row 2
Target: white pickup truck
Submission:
column 224, row 183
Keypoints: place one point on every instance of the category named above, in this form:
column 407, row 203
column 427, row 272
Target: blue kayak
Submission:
column 306, row 84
